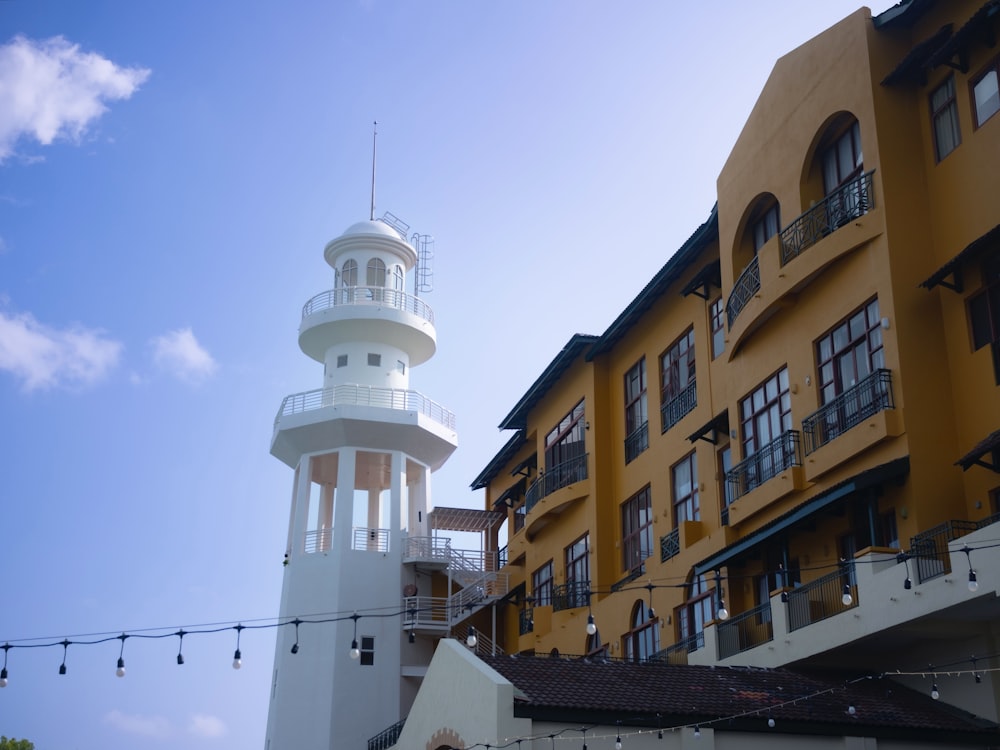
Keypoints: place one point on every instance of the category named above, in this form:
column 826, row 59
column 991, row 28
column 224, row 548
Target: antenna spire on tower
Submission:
column 374, row 133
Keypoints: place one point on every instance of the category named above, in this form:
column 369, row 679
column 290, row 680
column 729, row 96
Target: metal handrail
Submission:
column 427, row 548
column 677, row 654
column 317, row 540
column 378, row 296
column 822, row 598
column 780, row 454
column 745, row 631
column 636, row 442
column 676, row 408
column 670, row 545
column 370, row 540
column 387, row 737
column 746, row 286
column 570, row 595
column 365, row 395
column 872, row 395
column 843, row 205
column 558, row 476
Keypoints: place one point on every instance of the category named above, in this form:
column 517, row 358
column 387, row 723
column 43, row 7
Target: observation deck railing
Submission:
column 364, row 395
column 377, row 296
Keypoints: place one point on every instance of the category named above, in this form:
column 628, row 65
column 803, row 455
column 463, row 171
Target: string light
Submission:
column 770, row 722
column 355, row 652
column 697, row 732
column 973, row 583
column 237, row 655
column 3, row 672
column 180, row 646
column 120, row 669
column 651, row 612
column 591, row 625
column 851, row 710
column 618, row 739
column 722, row 613
column 847, row 599
column 62, row 667
column 470, row 639
column 295, row 646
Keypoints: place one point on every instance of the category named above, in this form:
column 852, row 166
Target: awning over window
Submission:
column 913, row 67
column 976, row 28
column 512, row 494
column 870, row 478
column 954, row 265
column 704, row 280
column 718, row 423
column 988, row 446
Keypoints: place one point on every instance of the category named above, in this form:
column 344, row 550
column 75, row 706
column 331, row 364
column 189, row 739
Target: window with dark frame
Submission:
column 843, row 160
column 684, row 476
column 944, row 119
column 367, row 650
column 374, row 360
column 726, row 490
column 986, row 93
column 566, row 440
column 643, row 638
column 695, row 612
column 541, row 585
column 636, row 414
column 578, row 571
column 677, row 367
column 766, row 413
column 717, row 321
column 850, row 352
column 984, row 313
column 765, row 227
column 341, row 360
column 637, row 529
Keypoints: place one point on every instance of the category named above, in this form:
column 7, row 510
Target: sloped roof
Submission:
column 648, row 694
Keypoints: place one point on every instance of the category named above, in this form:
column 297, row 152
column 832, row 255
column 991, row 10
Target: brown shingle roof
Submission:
column 672, row 695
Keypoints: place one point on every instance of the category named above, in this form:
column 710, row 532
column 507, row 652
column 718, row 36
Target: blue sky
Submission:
column 169, row 175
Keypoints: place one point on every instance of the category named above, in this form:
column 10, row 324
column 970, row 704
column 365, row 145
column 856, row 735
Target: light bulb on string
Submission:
column 697, row 731
column 973, row 583
column 902, row 557
column 355, row 652
column 618, row 738
column 722, row 613
column 591, row 625
column 851, row 710
column 120, row 668
column 770, row 722
column 62, row 667
column 237, row 654
column 847, row 599
column 651, row 612
column 935, row 694
column 3, row 671
column 470, row 639
column 180, row 646
column 295, row 646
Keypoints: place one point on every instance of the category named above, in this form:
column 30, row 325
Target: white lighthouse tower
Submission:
column 363, row 447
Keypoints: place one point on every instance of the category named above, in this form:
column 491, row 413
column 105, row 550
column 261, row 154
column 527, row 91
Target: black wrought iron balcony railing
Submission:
column 677, row 407
column 670, row 545
column 822, row 598
column 678, row 653
column 570, row 595
column 526, row 620
column 745, row 631
column 779, row 455
column 637, row 572
column 556, row 477
column 843, row 205
column 637, row 442
column 850, row 408
column 387, row 737
column 746, row 286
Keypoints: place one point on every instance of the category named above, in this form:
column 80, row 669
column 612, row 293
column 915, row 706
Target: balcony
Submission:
column 368, row 295
column 570, row 595
column 745, row 631
column 365, row 395
column 849, row 409
column 678, row 653
column 746, row 286
column 824, row 597
column 670, row 545
column 637, row 442
column 556, row 477
column 848, row 202
column 677, row 407
column 771, row 460
column 526, row 620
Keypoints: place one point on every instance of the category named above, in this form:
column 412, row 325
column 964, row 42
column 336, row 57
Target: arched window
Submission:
column 376, row 272
column 642, row 640
column 349, row 273
column 841, row 160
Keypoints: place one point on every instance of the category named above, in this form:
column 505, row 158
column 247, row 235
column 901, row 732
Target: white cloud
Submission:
column 50, row 89
column 44, row 357
column 204, row 725
column 145, row 726
column 179, row 353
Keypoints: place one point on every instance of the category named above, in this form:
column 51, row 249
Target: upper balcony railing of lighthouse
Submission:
column 377, row 296
column 364, row 395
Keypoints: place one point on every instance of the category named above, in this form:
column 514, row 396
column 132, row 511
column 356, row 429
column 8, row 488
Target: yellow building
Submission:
column 786, row 448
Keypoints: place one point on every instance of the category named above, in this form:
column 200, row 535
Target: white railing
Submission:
column 318, row 540
column 489, row 586
column 376, row 296
column 365, row 395
column 421, row 611
column 371, row 540
column 427, row 548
